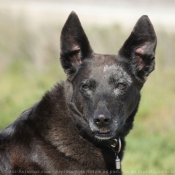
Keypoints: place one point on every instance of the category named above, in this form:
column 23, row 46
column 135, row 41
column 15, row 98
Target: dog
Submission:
column 80, row 125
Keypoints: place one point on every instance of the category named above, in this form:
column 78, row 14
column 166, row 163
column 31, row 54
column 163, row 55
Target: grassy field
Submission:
column 30, row 66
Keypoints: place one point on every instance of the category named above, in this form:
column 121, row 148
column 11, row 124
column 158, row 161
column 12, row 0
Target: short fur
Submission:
column 71, row 129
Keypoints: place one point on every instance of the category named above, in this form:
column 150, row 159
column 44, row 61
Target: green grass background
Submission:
column 29, row 66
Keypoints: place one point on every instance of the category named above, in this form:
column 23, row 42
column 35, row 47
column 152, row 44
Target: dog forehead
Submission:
column 116, row 71
column 98, row 62
column 112, row 68
column 107, row 66
column 101, row 61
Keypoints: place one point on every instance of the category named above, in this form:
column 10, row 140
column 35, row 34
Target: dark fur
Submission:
column 72, row 127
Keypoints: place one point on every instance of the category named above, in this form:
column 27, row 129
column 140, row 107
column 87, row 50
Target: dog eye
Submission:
column 85, row 87
column 121, row 86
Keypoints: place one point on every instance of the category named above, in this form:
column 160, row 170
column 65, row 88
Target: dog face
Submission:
column 106, row 88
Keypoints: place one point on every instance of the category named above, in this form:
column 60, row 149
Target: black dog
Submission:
column 79, row 126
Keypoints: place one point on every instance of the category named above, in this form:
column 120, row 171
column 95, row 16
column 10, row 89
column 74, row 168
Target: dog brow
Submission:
column 119, row 71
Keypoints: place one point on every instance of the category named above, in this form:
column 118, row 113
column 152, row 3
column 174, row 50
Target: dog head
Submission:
column 105, row 89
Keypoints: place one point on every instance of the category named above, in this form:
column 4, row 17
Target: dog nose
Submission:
column 102, row 120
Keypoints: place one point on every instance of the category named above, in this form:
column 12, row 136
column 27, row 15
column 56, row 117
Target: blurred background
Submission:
column 29, row 66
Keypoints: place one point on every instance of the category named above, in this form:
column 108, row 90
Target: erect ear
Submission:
column 139, row 48
column 75, row 46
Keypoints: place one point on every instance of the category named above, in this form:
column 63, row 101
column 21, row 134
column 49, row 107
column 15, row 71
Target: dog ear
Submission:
column 139, row 48
column 75, row 46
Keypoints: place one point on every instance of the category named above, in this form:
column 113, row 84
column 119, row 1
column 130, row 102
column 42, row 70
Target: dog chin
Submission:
column 104, row 135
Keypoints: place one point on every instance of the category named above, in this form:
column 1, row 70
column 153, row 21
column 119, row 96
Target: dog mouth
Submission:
column 104, row 134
